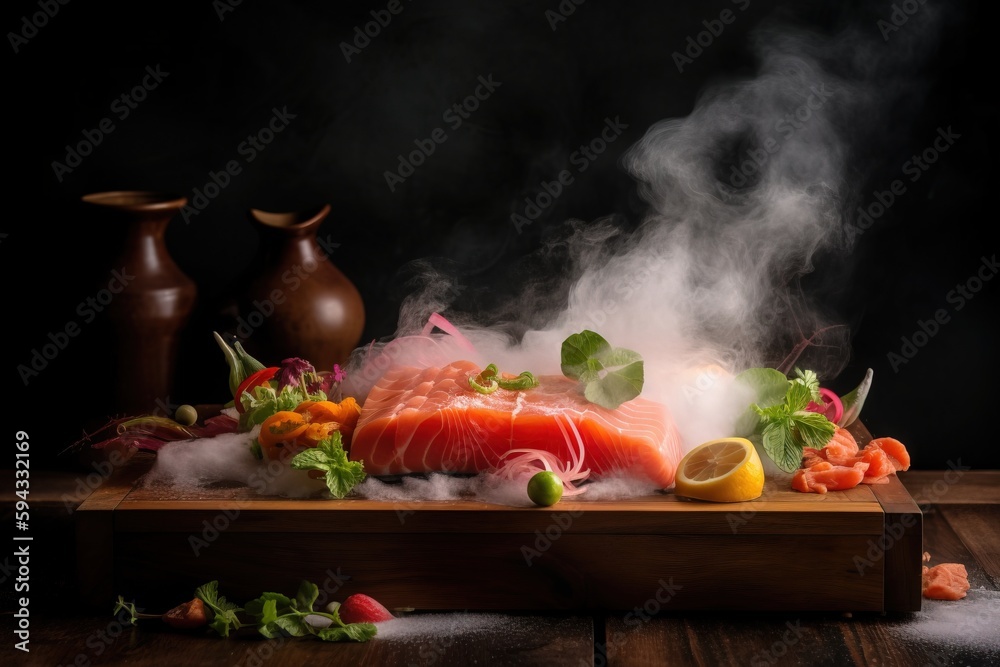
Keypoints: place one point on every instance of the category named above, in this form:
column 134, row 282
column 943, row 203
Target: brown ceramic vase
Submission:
column 155, row 300
column 301, row 304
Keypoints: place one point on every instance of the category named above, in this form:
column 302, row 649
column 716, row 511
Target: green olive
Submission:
column 186, row 415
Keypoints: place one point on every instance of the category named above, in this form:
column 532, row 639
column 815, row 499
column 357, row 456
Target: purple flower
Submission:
column 339, row 374
column 292, row 370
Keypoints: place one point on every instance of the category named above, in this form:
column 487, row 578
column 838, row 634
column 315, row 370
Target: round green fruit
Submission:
column 545, row 488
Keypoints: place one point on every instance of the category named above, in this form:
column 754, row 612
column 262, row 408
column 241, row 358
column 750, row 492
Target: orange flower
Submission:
column 285, row 433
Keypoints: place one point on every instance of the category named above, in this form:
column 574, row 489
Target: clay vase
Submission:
column 300, row 304
column 154, row 298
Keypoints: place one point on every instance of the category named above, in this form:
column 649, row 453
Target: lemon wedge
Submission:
column 727, row 470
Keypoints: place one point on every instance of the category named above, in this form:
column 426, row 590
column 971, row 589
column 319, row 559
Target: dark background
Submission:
column 352, row 120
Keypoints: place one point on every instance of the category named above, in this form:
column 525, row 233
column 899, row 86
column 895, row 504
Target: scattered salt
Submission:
column 448, row 626
column 945, row 627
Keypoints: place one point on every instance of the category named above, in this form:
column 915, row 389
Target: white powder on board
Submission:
column 946, row 627
column 448, row 626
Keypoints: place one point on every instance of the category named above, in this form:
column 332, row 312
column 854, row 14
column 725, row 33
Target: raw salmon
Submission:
column 824, row 476
column 418, row 420
column 895, row 450
column 881, row 457
column 947, row 581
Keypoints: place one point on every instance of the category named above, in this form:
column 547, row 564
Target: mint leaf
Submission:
column 342, row 475
column 223, row 611
column 780, row 445
column 811, row 381
column 797, row 398
column 257, row 607
column 359, row 632
column 306, row 596
column 610, row 376
column 813, row 428
column 279, row 616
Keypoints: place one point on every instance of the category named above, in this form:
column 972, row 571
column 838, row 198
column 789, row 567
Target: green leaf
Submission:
column 813, row 429
column 359, row 632
column 616, row 387
column 256, row 607
column 291, row 624
column 223, row 612
column 342, row 475
column 811, row 381
column 797, row 398
column 306, row 596
column 610, row 376
column 768, row 387
column 127, row 606
column 579, row 349
column 780, row 445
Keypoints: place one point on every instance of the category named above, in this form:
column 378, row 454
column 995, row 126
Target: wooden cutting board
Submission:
column 855, row 550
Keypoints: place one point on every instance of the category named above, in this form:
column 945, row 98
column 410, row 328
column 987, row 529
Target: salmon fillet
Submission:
column 419, row 420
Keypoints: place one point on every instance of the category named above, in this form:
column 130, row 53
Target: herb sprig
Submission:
column 779, row 421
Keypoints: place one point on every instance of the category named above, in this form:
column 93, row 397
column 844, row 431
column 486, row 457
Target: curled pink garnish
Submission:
column 528, row 462
column 438, row 320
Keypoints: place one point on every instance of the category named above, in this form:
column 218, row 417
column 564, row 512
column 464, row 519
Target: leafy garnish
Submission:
column 811, row 382
column 263, row 401
column 127, row 606
column 224, row 612
column 329, row 456
column 277, row 615
column 785, row 427
column 610, row 376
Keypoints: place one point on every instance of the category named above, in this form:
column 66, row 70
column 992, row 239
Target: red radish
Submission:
column 361, row 608
column 832, row 408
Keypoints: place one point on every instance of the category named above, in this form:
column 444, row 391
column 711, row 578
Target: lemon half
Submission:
column 727, row 470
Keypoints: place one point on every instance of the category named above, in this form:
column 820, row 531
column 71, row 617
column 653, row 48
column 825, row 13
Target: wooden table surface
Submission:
column 961, row 524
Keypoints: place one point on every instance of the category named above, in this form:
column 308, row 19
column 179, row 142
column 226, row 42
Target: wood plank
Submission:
column 945, row 546
column 901, row 546
column 459, row 640
column 972, row 487
column 95, row 532
column 977, row 527
column 625, row 518
column 569, row 572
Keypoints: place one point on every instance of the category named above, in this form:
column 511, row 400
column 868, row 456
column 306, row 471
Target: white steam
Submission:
column 743, row 193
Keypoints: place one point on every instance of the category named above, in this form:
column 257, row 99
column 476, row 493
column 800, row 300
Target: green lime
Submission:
column 545, row 488
column 186, row 415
